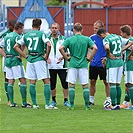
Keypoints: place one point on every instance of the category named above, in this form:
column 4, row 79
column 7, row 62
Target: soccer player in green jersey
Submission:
column 38, row 46
column 2, row 34
column 78, row 67
column 13, row 65
column 128, row 67
column 114, row 64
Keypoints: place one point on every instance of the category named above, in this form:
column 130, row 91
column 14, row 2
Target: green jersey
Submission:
column 78, row 47
column 128, row 64
column 35, row 41
column 9, row 41
column 4, row 33
column 115, row 44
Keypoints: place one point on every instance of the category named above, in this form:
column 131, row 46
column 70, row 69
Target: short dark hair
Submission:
column 126, row 29
column 12, row 24
column 54, row 23
column 18, row 25
column 101, row 31
column 36, row 22
column 78, row 27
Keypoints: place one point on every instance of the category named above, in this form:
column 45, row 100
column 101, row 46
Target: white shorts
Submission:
column 128, row 78
column 3, row 66
column 15, row 72
column 114, row 75
column 81, row 74
column 37, row 70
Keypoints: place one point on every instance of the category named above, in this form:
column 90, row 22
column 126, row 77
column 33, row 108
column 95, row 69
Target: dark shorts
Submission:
column 95, row 71
column 62, row 73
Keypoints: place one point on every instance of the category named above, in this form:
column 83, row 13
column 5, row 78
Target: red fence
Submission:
column 113, row 14
column 14, row 12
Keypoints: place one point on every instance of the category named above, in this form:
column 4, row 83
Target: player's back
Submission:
column 115, row 44
column 10, row 40
column 78, row 46
column 34, row 41
column 11, row 55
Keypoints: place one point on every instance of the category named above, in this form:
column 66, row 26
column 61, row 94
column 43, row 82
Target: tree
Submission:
column 56, row 3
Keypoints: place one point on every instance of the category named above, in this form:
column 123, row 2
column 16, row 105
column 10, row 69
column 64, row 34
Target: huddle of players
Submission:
column 38, row 54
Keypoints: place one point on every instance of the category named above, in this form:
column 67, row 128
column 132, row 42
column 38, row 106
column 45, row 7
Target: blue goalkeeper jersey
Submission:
column 97, row 61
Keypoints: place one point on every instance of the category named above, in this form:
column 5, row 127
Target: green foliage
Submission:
column 84, row 5
column 55, row 3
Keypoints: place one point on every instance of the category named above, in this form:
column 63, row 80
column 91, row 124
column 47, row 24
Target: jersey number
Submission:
column 33, row 43
column 8, row 45
column 117, row 48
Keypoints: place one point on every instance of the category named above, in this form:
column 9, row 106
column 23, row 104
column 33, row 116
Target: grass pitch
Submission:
column 21, row 120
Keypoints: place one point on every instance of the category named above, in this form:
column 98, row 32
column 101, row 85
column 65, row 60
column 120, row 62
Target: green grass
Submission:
column 20, row 120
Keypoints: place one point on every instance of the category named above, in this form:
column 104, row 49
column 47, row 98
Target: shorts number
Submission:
column 117, row 49
column 33, row 43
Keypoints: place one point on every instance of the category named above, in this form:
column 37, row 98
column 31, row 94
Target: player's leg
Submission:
column 126, row 102
column 127, row 79
column 118, row 87
column 62, row 75
column 111, row 78
column 33, row 93
column 102, row 75
column 71, row 79
column 5, row 86
column 31, row 74
column 43, row 74
column 131, row 95
column 53, row 80
column 6, row 80
column 19, row 73
column 83, row 80
column 10, row 90
column 93, row 74
column 130, row 86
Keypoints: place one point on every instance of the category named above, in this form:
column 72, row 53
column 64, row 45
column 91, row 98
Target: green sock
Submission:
column 23, row 93
column 47, row 93
column 86, row 95
column 5, row 86
column 127, row 97
column 113, row 94
column 71, row 94
column 10, row 93
column 33, row 93
column 131, row 93
column 118, row 88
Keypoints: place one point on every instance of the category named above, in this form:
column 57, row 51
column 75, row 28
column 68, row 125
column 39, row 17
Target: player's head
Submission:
column 98, row 24
column 19, row 27
column 11, row 25
column 55, row 28
column 78, row 27
column 36, row 23
column 125, row 30
column 102, row 32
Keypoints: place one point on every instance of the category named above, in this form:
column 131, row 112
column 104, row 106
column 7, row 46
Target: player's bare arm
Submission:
column 46, row 55
column 127, row 46
column 2, row 52
column 94, row 50
column 61, row 49
column 130, row 57
column 19, row 50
